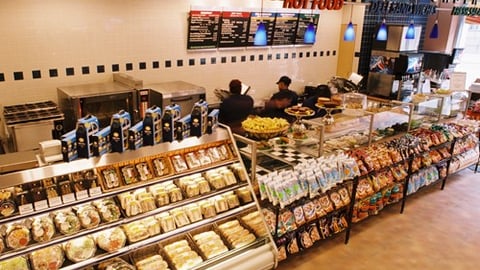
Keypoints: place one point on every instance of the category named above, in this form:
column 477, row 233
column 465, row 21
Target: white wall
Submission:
column 58, row 34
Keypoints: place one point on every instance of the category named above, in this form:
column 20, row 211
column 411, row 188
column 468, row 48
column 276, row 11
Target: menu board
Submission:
column 303, row 21
column 255, row 18
column 233, row 29
column 203, row 29
column 285, row 29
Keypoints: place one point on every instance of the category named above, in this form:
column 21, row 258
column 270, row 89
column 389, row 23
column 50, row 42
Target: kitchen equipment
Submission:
column 30, row 123
column 100, row 99
column 173, row 92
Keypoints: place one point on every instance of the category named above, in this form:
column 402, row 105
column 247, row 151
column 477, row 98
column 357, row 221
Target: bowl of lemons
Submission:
column 264, row 128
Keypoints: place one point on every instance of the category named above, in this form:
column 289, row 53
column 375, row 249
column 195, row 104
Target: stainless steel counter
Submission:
column 17, row 161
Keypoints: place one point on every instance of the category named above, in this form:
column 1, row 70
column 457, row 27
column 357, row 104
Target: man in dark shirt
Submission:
column 235, row 108
column 283, row 84
column 275, row 107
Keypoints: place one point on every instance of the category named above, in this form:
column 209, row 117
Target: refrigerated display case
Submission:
column 153, row 197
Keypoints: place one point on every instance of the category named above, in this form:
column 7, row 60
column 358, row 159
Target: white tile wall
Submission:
column 49, row 34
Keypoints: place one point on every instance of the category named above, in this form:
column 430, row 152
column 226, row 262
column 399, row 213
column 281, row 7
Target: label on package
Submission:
column 82, row 194
column 95, row 191
column 68, row 198
column 54, row 201
column 26, row 208
column 40, row 205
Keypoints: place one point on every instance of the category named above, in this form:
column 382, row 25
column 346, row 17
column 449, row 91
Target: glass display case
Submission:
column 92, row 211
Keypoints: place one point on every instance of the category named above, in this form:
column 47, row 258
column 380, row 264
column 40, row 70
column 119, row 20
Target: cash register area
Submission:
column 438, row 230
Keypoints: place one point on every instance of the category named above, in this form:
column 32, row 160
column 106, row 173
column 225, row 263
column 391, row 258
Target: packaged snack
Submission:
column 336, row 199
column 313, row 231
column 309, row 211
column 304, row 239
column 292, row 246
column 80, row 249
column 111, row 239
column 299, row 216
column 344, row 195
column 17, row 236
column 42, row 228
column 51, row 256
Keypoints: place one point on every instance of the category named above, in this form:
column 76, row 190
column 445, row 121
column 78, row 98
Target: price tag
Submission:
column 40, row 205
column 82, row 194
column 54, row 201
column 68, row 198
column 26, row 208
column 95, row 191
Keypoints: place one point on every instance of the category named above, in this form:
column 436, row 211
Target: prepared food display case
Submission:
column 178, row 205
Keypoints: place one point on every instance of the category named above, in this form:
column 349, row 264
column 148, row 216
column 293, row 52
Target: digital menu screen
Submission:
column 203, row 29
column 234, row 29
column 255, row 18
column 285, row 29
column 303, row 21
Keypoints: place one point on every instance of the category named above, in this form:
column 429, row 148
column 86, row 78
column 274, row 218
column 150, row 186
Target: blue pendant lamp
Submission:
column 260, row 38
column 310, row 35
column 382, row 32
column 349, row 34
column 410, row 31
column 434, row 33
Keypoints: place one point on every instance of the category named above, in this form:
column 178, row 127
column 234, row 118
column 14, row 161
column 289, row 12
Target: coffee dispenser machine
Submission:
column 171, row 114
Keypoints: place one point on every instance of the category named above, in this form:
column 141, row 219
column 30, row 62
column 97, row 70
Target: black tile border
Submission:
column 155, row 64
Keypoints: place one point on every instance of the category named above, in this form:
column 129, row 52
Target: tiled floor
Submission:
column 438, row 230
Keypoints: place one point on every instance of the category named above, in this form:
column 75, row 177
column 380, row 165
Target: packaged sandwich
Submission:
column 50, row 258
column 111, row 239
column 17, row 236
column 43, row 228
column 80, row 249
column 15, row 263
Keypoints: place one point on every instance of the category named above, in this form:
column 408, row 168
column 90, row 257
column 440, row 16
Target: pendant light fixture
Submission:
column 310, row 34
column 410, row 31
column 260, row 38
column 411, row 27
column 382, row 33
column 434, row 33
column 349, row 34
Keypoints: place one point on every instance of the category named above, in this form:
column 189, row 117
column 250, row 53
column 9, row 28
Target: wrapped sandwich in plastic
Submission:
column 49, row 258
column 111, row 240
column 80, row 249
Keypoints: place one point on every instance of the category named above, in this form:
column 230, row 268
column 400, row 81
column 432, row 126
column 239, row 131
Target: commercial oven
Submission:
column 99, row 99
column 172, row 92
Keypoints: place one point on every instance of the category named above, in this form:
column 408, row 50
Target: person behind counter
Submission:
column 275, row 107
column 283, row 84
column 235, row 108
column 322, row 90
